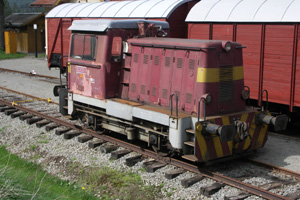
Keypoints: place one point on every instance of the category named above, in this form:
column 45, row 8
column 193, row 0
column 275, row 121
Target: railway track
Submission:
column 24, row 105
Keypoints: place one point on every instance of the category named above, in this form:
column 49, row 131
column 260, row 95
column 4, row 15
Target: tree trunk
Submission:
column 2, row 24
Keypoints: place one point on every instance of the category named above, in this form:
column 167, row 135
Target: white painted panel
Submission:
column 143, row 9
column 178, row 136
column 272, row 10
column 152, row 116
column 200, row 11
column 292, row 13
column 127, row 9
column 161, row 8
column 119, row 110
column 246, row 10
column 91, row 101
column 57, row 9
column 66, row 10
column 85, row 12
column 114, row 9
column 101, row 9
column 74, row 12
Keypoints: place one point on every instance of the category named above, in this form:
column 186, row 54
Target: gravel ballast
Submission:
column 57, row 153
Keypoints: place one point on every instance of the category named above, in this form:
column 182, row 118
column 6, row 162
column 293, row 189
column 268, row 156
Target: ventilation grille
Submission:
column 179, row 62
column 143, row 89
column 156, row 60
column 225, row 84
column 154, row 91
column 136, row 58
column 191, row 64
column 188, row 98
column 167, row 61
column 133, row 87
column 146, row 59
column 165, row 93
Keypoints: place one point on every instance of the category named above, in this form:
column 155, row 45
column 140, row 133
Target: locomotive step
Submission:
column 192, row 131
column 190, row 143
column 190, row 157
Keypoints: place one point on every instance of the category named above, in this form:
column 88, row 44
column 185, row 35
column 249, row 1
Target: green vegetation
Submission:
column 20, row 179
column 3, row 128
column 116, row 185
column 10, row 56
column 23, row 180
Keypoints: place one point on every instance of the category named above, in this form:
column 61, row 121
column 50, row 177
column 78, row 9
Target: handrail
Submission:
column 202, row 98
column 267, row 99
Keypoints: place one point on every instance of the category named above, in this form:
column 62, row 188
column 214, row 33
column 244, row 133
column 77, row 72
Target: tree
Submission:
column 2, row 24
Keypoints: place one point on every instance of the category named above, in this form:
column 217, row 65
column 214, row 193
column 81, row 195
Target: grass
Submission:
column 20, row 179
column 10, row 56
column 117, row 185
column 24, row 180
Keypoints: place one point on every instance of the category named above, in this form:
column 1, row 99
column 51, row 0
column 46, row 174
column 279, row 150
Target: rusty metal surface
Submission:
column 193, row 168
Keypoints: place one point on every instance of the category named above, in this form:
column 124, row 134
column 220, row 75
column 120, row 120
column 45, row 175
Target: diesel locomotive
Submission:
column 183, row 97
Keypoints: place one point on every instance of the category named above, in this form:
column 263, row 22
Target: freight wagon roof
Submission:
column 177, row 43
column 117, row 9
column 245, row 11
column 101, row 25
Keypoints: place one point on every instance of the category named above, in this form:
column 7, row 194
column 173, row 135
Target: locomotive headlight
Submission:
column 226, row 46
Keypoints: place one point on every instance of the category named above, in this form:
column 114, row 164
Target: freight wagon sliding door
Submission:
column 250, row 36
column 198, row 31
column 278, row 59
column 297, row 69
column 222, row 32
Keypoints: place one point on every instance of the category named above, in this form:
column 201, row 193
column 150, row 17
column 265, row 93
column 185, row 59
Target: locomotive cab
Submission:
column 177, row 95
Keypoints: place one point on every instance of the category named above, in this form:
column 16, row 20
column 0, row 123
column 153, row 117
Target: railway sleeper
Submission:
column 239, row 196
column 26, row 116
column 84, row 138
column 211, row 189
column 3, row 109
column 152, row 166
column 294, row 196
column 62, row 131
column 118, row 154
column 10, row 111
column 187, row 182
column 17, row 114
column 34, row 120
column 134, row 160
column 42, row 123
column 95, row 143
column 174, row 173
column 108, row 148
column 52, row 126
column 71, row 134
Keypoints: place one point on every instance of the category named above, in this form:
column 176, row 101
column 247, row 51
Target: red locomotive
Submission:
column 179, row 96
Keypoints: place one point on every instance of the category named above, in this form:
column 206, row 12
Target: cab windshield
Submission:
column 83, row 47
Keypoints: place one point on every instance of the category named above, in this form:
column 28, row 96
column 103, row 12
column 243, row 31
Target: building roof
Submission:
column 21, row 19
column 117, row 9
column 245, row 11
column 101, row 25
column 45, row 3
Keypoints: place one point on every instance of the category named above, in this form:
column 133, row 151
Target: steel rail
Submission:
column 216, row 176
column 274, row 168
column 28, row 74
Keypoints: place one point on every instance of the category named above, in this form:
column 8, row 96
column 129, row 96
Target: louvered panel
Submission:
column 167, row 61
column 133, row 87
column 136, row 58
column 154, row 91
column 191, row 64
column 146, row 59
column 225, row 84
column 143, row 89
column 179, row 62
column 156, row 60
column 165, row 93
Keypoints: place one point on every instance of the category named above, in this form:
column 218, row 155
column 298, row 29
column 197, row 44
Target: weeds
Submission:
column 3, row 128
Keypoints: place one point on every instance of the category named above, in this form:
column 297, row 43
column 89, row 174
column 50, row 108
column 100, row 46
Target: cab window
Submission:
column 83, row 47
